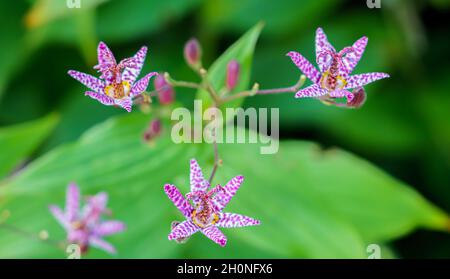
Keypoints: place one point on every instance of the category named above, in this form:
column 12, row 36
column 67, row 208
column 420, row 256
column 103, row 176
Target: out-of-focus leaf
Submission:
column 312, row 203
column 282, row 16
column 123, row 20
column 19, row 141
column 241, row 51
column 45, row 11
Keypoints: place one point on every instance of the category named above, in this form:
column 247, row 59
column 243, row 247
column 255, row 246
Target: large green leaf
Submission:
column 312, row 203
column 18, row 141
column 241, row 51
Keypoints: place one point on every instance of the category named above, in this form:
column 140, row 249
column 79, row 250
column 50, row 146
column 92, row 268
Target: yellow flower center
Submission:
column 118, row 90
column 331, row 82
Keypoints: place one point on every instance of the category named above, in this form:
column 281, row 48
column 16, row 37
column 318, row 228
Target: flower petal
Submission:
column 72, row 202
column 141, row 85
column 134, row 66
column 102, row 98
column 109, row 227
column 363, row 79
column 125, row 103
column 305, row 66
column 95, row 207
column 182, row 230
column 232, row 220
column 339, row 93
column 89, row 81
column 311, row 91
column 215, row 235
column 102, row 244
column 228, row 191
column 177, row 198
column 198, row 182
column 351, row 59
column 59, row 216
column 105, row 57
column 323, row 49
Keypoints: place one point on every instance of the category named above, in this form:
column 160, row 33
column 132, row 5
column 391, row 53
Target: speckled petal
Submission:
column 134, row 66
column 323, row 47
column 59, row 216
column 305, row 66
column 141, row 85
column 198, row 182
column 311, row 92
column 363, row 79
column 183, row 230
column 232, row 220
column 89, row 81
column 99, row 243
column 125, row 103
column 102, row 98
column 215, row 235
column 351, row 59
column 224, row 196
column 108, row 228
column 72, row 202
column 178, row 200
column 340, row 93
column 105, row 57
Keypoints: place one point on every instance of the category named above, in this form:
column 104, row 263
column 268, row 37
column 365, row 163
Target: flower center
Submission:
column 204, row 214
column 332, row 82
column 118, row 90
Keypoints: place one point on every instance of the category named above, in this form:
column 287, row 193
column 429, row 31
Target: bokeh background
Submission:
column 402, row 130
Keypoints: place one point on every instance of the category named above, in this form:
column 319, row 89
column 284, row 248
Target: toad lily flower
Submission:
column 333, row 78
column 205, row 214
column 85, row 227
column 117, row 84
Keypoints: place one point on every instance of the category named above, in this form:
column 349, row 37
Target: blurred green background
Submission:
column 316, row 203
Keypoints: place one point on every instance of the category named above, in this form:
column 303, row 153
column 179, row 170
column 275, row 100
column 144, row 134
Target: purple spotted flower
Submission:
column 85, row 226
column 203, row 208
column 333, row 79
column 117, row 83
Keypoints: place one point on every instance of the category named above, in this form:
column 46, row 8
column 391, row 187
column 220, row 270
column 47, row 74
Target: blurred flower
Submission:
column 205, row 213
column 333, row 78
column 117, row 84
column 232, row 74
column 193, row 53
column 153, row 130
column 166, row 94
column 85, row 227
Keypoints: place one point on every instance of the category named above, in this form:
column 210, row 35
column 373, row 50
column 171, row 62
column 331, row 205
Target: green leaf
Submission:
column 19, row 141
column 312, row 203
column 242, row 51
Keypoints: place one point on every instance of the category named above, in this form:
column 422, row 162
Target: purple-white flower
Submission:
column 333, row 78
column 117, row 83
column 85, row 226
column 203, row 208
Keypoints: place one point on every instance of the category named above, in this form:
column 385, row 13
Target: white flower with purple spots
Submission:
column 333, row 78
column 85, row 227
column 117, row 83
column 203, row 207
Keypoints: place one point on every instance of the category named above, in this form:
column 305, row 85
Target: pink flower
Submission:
column 203, row 208
column 333, row 78
column 85, row 227
column 117, row 84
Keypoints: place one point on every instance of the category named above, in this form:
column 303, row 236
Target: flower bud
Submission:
column 359, row 98
column 193, row 53
column 166, row 94
column 154, row 129
column 232, row 79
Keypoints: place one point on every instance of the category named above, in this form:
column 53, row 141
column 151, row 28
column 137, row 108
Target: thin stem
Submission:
column 216, row 154
column 13, row 229
column 253, row 92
